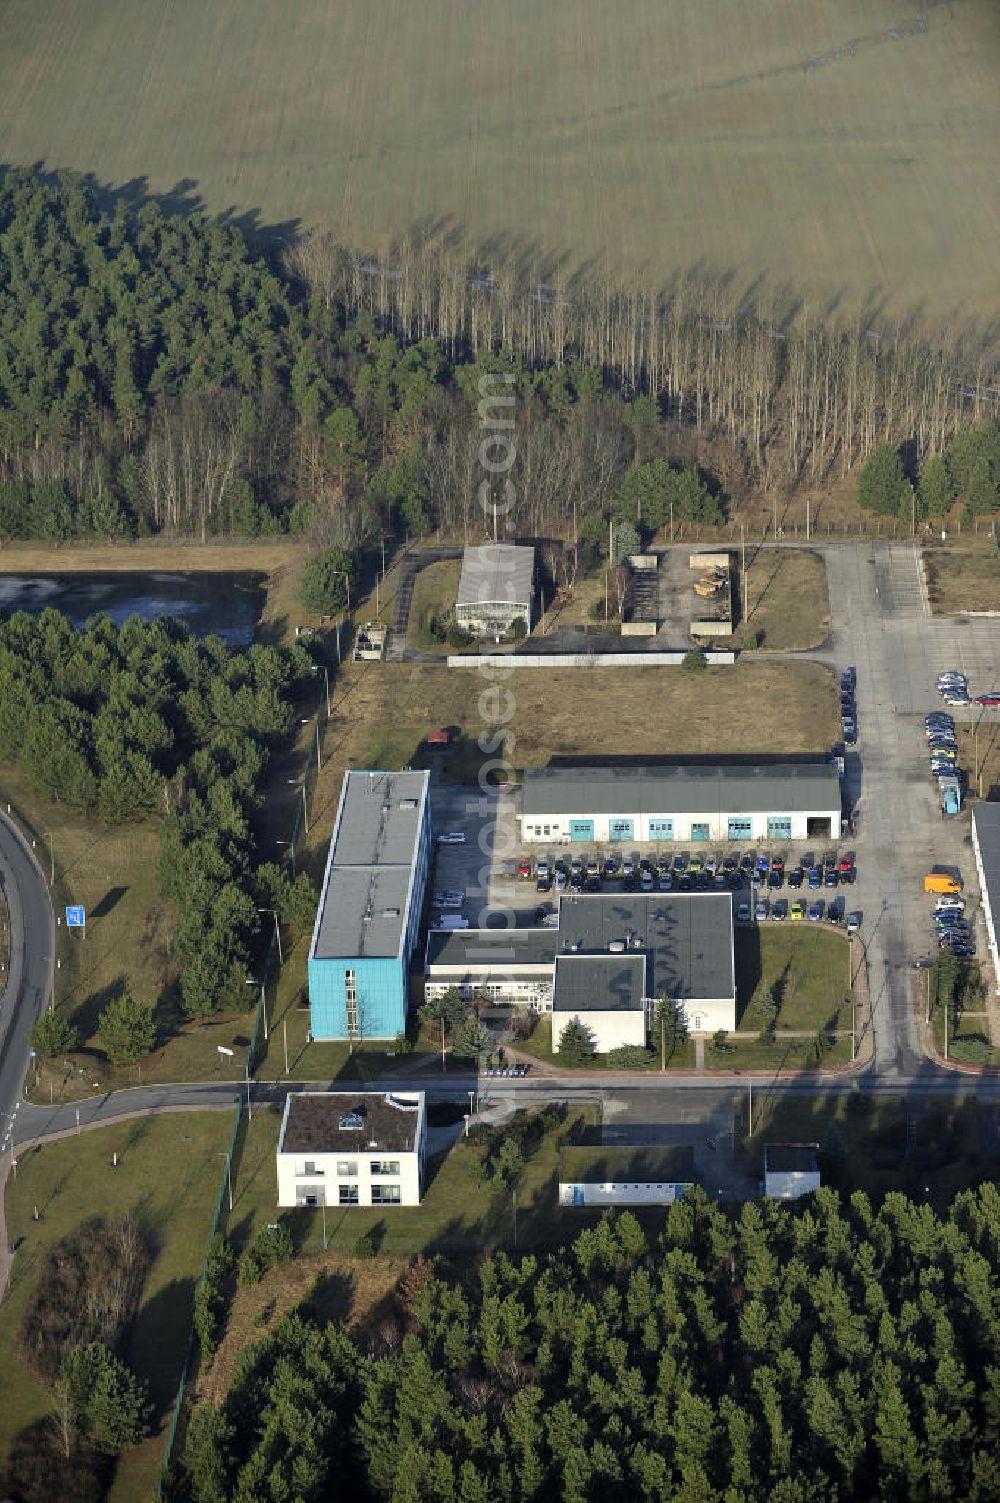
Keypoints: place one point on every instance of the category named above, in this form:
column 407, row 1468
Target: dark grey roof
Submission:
column 599, row 983
column 369, row 871
column 640, row 1165
column 313, row 1120
column 687, row 938
column 767, row 789
column 791, row 1158
column 986, row 833
column 496, row 573
column 477, row 948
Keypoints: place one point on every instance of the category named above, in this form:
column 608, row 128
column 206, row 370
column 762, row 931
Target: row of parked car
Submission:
column 687, row 873
column 951, row 927
column 779, row 909
column 848, row 707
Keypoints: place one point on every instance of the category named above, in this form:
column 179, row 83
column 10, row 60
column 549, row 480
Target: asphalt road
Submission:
column 28, row 978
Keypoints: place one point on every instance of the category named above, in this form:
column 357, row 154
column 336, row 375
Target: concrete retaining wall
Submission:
column 637, row 659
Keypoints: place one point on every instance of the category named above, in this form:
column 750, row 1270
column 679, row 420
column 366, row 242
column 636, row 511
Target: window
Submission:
column 740, row 829
column 309, row 1167
column 385, row 1166
column 385, row 1195
column 351, row 1001
column 310, row 1195
column 345, row 1169
column 699, row 831
column 347, row 1195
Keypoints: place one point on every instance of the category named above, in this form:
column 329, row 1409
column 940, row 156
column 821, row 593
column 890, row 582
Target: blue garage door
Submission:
column 699, row 832
column 740, row 829
column 581, row 829
column 661, row 829
column 778, row 827
column 620, row 829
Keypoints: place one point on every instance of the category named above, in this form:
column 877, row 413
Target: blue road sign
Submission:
column 75, row 917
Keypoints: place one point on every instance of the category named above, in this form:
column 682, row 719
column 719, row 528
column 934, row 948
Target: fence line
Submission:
column 228, row 1171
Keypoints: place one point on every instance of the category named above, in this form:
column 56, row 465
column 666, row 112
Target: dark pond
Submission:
column 228, row 604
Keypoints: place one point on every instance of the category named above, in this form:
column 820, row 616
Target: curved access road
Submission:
column 28, row 978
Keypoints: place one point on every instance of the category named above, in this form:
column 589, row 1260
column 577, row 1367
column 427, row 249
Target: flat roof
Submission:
column 312, row 1121
column 367, row 886
column 686, row 938
column 986, row 830
column 791, row 1158
column 795, row 787
column 496, row 573
column 476, row 948
column 599, row 983
column 641, row 1165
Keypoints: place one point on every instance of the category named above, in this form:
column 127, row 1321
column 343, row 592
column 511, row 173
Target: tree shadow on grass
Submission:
column 159, row 1339
column 87, row 1015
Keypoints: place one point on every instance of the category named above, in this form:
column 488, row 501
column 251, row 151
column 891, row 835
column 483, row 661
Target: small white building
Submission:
column 638, row 1176
column 790, row 1170
column 496, row 588
column 607, row 993
column 352, row 1148
column 691, row 803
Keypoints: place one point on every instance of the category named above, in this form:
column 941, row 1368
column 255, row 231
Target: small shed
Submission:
column 633, row 1176
column 790, row 1170
column 437, row 738
column 496, row 589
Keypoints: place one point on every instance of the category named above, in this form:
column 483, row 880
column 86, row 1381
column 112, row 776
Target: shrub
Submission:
column 52, row 1035
column 523, row 1024
column 628, row 1057
column 721, row 1043
column 519, row 628
column 693, row 661
column 970, row 1049
column 370, row 1241
column 269, row 1247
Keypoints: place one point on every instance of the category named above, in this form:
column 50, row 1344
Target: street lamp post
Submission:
column 319, row 764
column 291, row 851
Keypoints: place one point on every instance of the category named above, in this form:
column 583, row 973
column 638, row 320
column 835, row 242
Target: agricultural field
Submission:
column 827, row 145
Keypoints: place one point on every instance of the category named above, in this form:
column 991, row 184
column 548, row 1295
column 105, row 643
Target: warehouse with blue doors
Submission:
column 370, row 907
column 607, row 805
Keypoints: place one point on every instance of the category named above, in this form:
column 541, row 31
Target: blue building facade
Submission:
column 371, row 905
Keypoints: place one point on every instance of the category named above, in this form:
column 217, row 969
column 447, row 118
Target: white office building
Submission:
column 352, row 1148
column 638, row 1176
column 689, row 804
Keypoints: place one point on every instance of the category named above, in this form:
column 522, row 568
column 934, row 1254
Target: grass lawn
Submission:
column 459, row 1211
column 167, row 1179
column 782, row 1054
column 969, row 1026
column 963, row 574
column 945, row 1151
column 806, row 966
column 785, row 599
column 434, row 591
column 539, row 1046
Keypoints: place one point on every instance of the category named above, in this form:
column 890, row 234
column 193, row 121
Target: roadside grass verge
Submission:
column 167, row 1177
column 785, row 600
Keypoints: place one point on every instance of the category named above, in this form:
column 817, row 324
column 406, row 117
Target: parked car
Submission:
column 628, row 867
column 524, row 869
column 775, row 878
column 849, row 679
column 831, row 877
column 795, row 876
column 544, row 884
column 743, row 913
column 829, row 859
column 815, row 911
column 953, row 697
column 779, row 909
column 646, row 881
column 763, row 862
column 748, row 861
column 694, row 864
column 798, row 909
column 452, row 837
column 760, row 910
column 666, row 882
column 850, row 733
column 561, row 880
column 956, row 904
column 680, row 861
column 815, row 878
column 731, row 864
column 611, row 866
column 853, row 923
column 845, row 864
column 712, row 865
column 835, row 911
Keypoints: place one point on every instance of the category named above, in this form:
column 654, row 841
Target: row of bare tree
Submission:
column 805, row 394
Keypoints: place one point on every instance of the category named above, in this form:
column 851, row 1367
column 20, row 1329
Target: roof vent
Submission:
column 390, row 913
column 407, row 803
column 616, row 947
column 354, row 1120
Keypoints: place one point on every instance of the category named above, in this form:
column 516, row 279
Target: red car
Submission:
column 993, row 698
column 524, row 868
column 846, row 863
